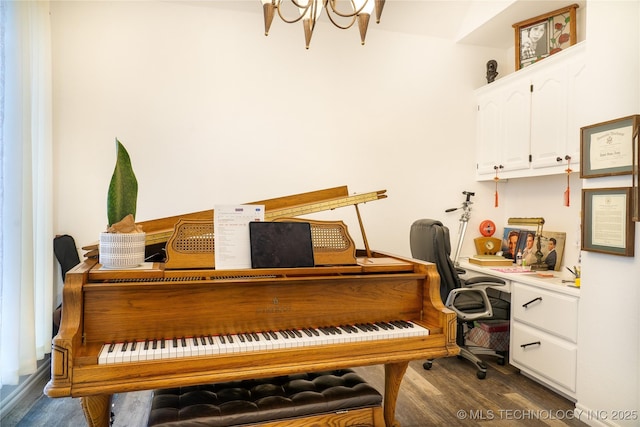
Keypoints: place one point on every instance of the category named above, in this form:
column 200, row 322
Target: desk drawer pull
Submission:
column 531, row 343
column 526, row 304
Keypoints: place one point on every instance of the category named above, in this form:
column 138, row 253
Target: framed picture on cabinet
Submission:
column 537, row 38
column 606, row 148
column 606, row 221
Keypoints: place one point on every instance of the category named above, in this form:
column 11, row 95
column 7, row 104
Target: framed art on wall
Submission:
column 606, row 148
column 606, row 221
column 635, row 189
column 537, row 38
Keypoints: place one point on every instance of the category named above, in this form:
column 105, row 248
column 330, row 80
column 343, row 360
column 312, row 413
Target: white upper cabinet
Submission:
column 529, row 122
column 503, row 129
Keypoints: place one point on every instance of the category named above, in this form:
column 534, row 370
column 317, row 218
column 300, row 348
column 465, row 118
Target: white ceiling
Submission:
column 439, row 18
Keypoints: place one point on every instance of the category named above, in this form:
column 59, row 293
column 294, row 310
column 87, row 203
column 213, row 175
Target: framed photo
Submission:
column 606, row 148
column 516, row 240
column 536, row 38
column 635, row 190
column 606, row 221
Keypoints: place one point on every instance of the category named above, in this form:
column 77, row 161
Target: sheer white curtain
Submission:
column 26, row 248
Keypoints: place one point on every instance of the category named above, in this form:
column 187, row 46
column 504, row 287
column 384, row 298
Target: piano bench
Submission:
column 335, row 398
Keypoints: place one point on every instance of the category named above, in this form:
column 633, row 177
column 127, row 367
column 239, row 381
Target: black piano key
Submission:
column 124, row 346
column 155, row 344
column 203, row 340
column 382, row 325
column 255, row 336
column 361, row 327
column 146, row 345
column 134, row 345
column 398, row 324
column 266, row 336
column 111, row 347
column 230, row 338
column 162, row 344
column 183, row 341
column 273, row 335
column 222, row 339
column 175, row 342
column 210, row 338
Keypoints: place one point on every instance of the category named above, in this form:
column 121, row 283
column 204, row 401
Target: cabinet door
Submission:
column 516, row 119
column 488, row 133
column 503, row 128
column 549, row 116
column 557, row 111
column 578, row 101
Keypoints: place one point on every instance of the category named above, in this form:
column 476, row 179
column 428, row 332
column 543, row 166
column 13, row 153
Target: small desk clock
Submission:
column 487, row 245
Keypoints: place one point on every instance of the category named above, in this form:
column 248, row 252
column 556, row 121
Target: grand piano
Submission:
column 160, row 327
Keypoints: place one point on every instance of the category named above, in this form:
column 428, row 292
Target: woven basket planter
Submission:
column 119, row 250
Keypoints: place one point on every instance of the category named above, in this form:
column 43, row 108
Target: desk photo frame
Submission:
column 606, row 221
column 606, row 149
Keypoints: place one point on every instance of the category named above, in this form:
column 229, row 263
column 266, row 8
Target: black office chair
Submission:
column 469, row 298
column 64, row 248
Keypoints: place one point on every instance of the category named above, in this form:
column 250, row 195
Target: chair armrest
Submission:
column 488, row 312
column 485, row 281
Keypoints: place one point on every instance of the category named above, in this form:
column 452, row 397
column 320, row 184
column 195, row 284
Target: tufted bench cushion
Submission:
column 257, row 401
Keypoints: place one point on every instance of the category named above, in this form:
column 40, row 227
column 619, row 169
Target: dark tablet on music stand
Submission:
column 280, row 244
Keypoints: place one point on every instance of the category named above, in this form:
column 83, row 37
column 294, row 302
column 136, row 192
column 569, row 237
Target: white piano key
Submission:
column 117, row 354
column 135, row 351
column 104, row 353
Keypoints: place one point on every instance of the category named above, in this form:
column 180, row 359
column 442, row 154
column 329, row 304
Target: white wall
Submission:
column 609, row 345
column 212, row 111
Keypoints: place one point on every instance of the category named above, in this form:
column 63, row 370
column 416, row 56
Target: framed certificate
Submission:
column 635, row 180
column 606, row 221
column 606, row 149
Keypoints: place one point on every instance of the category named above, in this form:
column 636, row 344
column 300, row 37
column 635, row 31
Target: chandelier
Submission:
column 342, row 13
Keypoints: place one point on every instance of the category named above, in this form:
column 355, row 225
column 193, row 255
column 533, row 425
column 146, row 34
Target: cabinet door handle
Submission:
column 530, row 343
column 526, row 304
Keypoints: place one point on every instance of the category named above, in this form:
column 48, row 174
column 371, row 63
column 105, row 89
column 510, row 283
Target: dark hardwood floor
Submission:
column 447, row 395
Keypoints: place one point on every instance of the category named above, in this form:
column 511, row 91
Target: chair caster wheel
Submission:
column 501, row 361
column 481, row 375
column 427, row 365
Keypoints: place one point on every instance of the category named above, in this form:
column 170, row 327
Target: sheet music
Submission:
column 231, row 234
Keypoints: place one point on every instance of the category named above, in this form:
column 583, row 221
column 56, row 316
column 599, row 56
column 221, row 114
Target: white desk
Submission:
column 544, row 325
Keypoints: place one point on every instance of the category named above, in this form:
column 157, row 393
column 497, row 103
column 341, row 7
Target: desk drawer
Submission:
column 546, row 310
column 544, row 354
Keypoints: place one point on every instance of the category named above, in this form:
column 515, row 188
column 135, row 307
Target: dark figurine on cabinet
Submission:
column 492, row 70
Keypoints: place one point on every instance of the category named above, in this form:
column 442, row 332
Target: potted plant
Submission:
column 123, row 244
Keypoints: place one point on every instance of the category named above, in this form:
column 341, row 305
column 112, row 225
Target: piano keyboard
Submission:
column 206, row 345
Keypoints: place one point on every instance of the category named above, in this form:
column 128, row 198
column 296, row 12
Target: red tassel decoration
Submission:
column 496, row 179
column 567, row 192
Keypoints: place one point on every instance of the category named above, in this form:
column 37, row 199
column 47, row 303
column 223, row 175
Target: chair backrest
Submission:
column 429, row 241
column 64, row 247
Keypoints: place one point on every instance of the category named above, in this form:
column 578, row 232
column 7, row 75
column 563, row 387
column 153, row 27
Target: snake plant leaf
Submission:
column 123, row 188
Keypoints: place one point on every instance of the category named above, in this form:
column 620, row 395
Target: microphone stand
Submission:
column 464, row 220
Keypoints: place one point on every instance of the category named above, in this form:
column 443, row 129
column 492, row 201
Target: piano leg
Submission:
column 97, row 410
column 393, row 373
